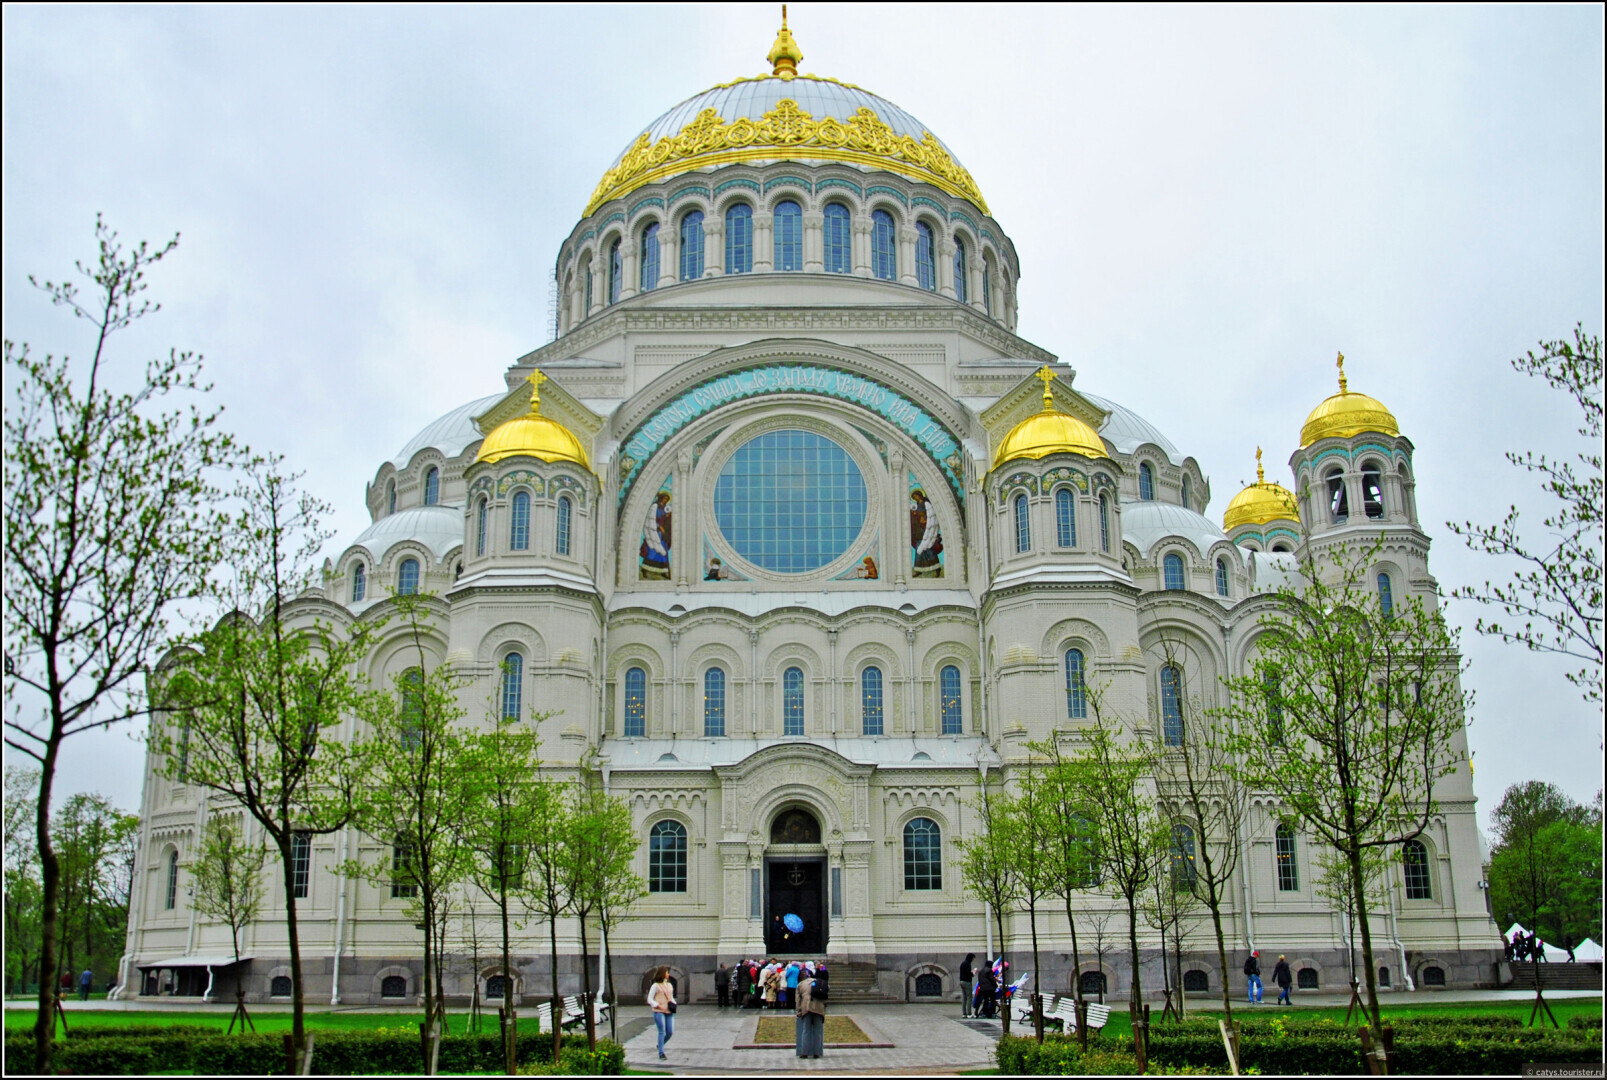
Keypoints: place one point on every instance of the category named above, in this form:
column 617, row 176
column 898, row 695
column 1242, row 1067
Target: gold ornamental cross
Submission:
column 535, row 379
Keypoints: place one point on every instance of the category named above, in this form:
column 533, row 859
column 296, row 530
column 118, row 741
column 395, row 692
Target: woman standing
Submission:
column 661, row 999
column 966, row 974
column 811, row 1008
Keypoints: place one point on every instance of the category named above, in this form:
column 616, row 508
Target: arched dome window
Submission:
column 1182, row 857
column 1076, row 689
column 172, row 896
column 870, row 701
column 1338, row 497
column 923, row 855
column 1418, row 884
column 432, row 486
column 883, row 246
column 1386, row 596
column 407, row 578
column 1023, row 524
column 739, row 239
column 714, row 702
column 925, row 259
column 519, row 523
column 692, row 246
column 1146, row 482
column 1221, row 576
column 390, row 497
column 513, row 676
column 792, row 702
column 839, row 239
column 1288, row 869
column 1172, row 567
column 1104, row 523
column 649, row 273
column 565, row 515
column 636, row 702
column 587, row 310
column 1172, row 705
column 948, row 685
column 1372, row 490
column 359, row 582
column 616, row 273
column 987, row 284
column 481, row 510
column 961, row 284
column 1065, row 518
column 666, row 857
column 1187, row 497
column 789, row 236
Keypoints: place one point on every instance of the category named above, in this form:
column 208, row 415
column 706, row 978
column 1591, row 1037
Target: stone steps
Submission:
column 1556, row 977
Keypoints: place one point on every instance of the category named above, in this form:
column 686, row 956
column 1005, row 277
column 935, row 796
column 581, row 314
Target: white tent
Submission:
column 1588, row 952
column 1555, row 955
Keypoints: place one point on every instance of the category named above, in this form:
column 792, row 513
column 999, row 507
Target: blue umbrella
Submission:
column 793, row 923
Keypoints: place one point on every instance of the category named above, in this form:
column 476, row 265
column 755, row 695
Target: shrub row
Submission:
column 575, row 1060
column 1585, row 1022
column 1059, row 1056
column 1293, row 1022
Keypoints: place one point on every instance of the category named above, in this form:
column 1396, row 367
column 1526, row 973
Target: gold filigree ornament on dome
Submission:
column 1260, row 503
column 533, row 435
column 1048, row 431
column 1345, row 414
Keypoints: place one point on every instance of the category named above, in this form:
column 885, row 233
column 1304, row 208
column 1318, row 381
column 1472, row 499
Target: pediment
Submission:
column 1026, row 398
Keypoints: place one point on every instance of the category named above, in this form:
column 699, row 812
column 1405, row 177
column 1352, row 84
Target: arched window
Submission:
column 519, row 522
column 1091, row 983
column 883, row 246
column 923, row 855
column 666, row 857
column 496, row 988
column 1023, row 524
column 432, row 486
column 402, row 884
column 1084, row 871
column 788, row 236
column 649, row 272
column 925, row 260
column 1187, row 500
column 948, row 692
column 636, row 702
column 1172, row 567
column 1146, row 482
column 987, row 285
column 513, row 678
column 1338, row 498
column 615, row 273
column 1383, row 976
column 1172, row 705
column 1076, row 689
column 1386, row 596
column 870, row 701
column 1372, row 490
column 961, row 286
column 1306, row 978
column 792, row 702
column 1432, row 976
column 1221, row 576
column 565, row 515
column 1274, row 708
column 281, row 986
column 1196, row 981
column 390, row 497
column 1288, row 870
column 692, row 246
column 411, row 688
column 839, row 239
column 480, row 512
column 359, row 582
column 407, row 578
column 714, row 702
column 172, row 896
column 1415, row 857
column 588, row 289
column 300, row 864
column 391, row 986
column 1104, row 524
column 1182, row 857
column 1065, row 518
column 739, row 239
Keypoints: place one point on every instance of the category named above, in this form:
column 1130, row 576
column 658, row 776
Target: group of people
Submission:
column 1282, row 976
column 1527, row 947
column 765, row 984
column 984, row 988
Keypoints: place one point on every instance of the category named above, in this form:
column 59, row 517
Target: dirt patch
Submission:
column 782, row 1030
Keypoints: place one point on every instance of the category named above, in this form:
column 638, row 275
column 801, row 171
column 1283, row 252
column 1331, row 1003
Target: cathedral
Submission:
column 792, row 531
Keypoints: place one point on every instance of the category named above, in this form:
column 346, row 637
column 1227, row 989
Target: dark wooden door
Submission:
column 796, row 888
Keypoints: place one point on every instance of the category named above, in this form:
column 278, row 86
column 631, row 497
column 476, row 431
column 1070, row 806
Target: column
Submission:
column 713, row 245
column 945, row 266
column 975, row 268
column 906, row 256
column 764, row 248
column 669, row 254
column 674, row 681
column 814, row 241
column 753, row 682
column 629, row 257
column 862, row 230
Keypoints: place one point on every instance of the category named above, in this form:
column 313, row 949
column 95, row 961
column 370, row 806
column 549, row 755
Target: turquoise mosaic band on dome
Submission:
column 892, row 406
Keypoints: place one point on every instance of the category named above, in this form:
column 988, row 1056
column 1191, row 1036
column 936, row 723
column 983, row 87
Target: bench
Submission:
column 574, row 1014
column 1063, row 1009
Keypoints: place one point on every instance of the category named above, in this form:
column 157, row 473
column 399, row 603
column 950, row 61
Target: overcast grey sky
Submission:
column 1207, row 203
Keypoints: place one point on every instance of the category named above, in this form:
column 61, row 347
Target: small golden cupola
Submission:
column 1260, row 503
column 785, row 55
column 533, row 435
column 1049, row 431
column 1346, row 414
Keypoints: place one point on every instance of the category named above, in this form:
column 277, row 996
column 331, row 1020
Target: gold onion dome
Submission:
column 1049, row 432
column 1260, row 503
column 533, row 435
column 1346, row 414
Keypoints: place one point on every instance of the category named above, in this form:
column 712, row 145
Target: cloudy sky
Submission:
column 1207, row 203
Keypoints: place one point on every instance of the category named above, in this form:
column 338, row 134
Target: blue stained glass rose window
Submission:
column 790, row 501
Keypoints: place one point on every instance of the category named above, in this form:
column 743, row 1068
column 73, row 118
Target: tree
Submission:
column 1335, row 884
column 612, row 887
column 227, row 871
column 253, row 707
column 23, row 896
column 1032, row 835
column 95, row 843
column 1070, row 855
column 1546, row 866
column 111, row 519
column 1350, row 715
column 989, row 864
column 1553, row 603
column 603, row 844
column 1172, row 901
column 549, row 884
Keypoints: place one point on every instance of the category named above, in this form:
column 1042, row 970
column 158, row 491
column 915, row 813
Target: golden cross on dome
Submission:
column 1340, row 364
column 1048, row 397
column 785, row 54
column 535, row 379
column 1260, row 473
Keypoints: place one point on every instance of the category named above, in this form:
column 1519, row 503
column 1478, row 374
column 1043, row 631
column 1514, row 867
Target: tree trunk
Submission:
column 44, row 1025
column 1358, row 885
column 557, row 998
column 585, row 987
column 1037, row 971
column 509, row 1048
column 298, row 1022
column 1135, row 993
column 1076, row 979
column 428, row 985
column 613, row 997
column 1222, row 957
column 998, row 917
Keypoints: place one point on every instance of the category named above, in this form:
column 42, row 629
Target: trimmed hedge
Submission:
column 1059, row 1056
column 90, row 1057
column 575, row 1060
column 1585, row 1022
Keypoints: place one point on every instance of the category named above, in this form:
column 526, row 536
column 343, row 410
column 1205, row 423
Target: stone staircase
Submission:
column 856, row 984
column 1556, row 977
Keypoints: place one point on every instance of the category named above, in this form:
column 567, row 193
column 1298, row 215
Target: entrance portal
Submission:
column 796, row 887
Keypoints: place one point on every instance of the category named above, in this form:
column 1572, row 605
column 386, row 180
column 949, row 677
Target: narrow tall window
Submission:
column 1221, row 576
column 948, row 688
column 739, row 239
column 692, row 246
column 649, row 273
column 390, row 497
column 519, row 522
column 666, row 857
column 1076, row 689
column 789, row 236
column 1338, row 498
column 923, row 855
column 987, row 286
column 1187, row 497
column 925, row 260
column 588, row 290
column 407, row 578
column 714, row 702
column 411, row 686
column 1023, row 524
column 883, row 246
column 1288, row 871
column 565, row 515
column 1386, row 596
column 1104, row 524
column 300, row 864
column 1172, row 567
column 870, row 701
column 636, row 702
column 1274, row 694
column 1172, row 706
column 616, row 273
column 359, row 582
column 1415, row 857
column 792, row 702
column 513, row 681
column 1372, row 490
column 402, row 884
column 1182, row 857
column 172, row 880
column 480, row 512
column 432, row 486
column 961, row 285
column 839, row 239
column 1146, row 483
column 1065, row 518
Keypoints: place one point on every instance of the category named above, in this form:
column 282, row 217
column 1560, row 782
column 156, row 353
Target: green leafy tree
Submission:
column 95, row 843
column 1546, row 868
column 549, row 881
column 111, row 520
column 603, row 844
column 1069, row 853
column 23, row 893
column 227, row 871
column 1335, row 884
column 1032, row 835
column 1553, row 603
column 990, row 863
column 612, row 888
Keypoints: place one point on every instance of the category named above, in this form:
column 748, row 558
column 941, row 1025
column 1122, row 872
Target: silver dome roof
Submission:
column 1146, row 524
column 450, row 433
column 438, row 528
column 1127, row 431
